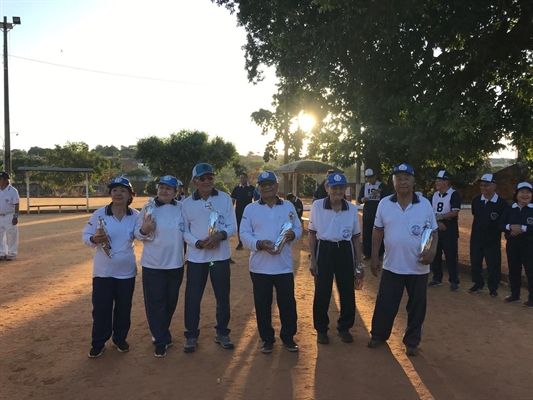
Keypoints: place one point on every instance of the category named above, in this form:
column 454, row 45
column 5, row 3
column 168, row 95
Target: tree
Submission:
column 431, row 82
column 107, row 151
column 178, row 154
column 128, row 151
column 37, row 151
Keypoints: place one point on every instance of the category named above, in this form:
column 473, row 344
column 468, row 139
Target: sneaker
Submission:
column 375, row 343
column 434, row 282
column 493, row 293
column 512, row 299
column 475, row 289
column 292, row 346
column 224, row 341
column 95, row 352
column 190, row 345
column 267, row 347
column 239, row 247
column 160, row 350
column 411, row 351
column 10, row 258
column 528, row 303
column 122, row 347
column 454, row 287
column 322, row 337
column 346, row 336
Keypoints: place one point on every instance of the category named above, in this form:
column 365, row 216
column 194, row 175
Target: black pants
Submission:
column 448, row 246
column 368, row 229
column 390, row 294
column 284, row 284
column 238, row 216
column 197, row 273
column 493, row 257
column 161, row 290
column 334, row 259
column 520, row 252
column 111, row 309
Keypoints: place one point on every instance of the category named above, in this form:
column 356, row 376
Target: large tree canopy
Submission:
column 178, row 154
column 428, row 81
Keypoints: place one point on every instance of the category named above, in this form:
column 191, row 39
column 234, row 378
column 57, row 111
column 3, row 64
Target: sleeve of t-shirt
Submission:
column 361, row 194
column 233, row 193
column 455, row 201
column 312, row 215
column 378, row 221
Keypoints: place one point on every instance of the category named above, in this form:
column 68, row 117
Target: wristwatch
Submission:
column 15, row 215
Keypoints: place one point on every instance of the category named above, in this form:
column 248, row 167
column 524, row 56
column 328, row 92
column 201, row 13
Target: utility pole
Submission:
column 7, row 135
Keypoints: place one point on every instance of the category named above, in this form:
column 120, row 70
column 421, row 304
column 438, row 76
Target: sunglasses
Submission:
column 203, row 178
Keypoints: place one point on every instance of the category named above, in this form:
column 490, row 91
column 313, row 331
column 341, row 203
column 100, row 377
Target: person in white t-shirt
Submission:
column 113, row 277
column 162, row 260
column 261, row 226
column 9, row 218
column 402, row 220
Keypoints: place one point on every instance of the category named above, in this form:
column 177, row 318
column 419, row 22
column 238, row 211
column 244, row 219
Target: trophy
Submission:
column 106, row 246
column 287, row 226
column 213, row 220
column 358, row 276
column 149, row 210
column 426, row 236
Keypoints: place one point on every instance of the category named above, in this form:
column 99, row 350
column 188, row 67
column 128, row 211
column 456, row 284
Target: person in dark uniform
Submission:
column 486, row 236
column 242, row 195
column 517, row 223
column 321, row 191
column 370, row 195
column 298, row 205
column 446, row 204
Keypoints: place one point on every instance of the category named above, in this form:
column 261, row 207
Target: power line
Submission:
column 112, row 73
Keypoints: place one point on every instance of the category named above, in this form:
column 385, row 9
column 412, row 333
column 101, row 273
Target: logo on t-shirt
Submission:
column 529, row 221
column 415, row 230
column 494, row 216
column 345, row 233
column 221, row 219
column 182, row 227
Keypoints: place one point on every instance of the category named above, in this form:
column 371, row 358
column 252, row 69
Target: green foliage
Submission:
column 128, row 151
column 138, row 174
column 219, row 185
column 37, row 151
column 107, row 151
column 151, row 188
column 178, row 154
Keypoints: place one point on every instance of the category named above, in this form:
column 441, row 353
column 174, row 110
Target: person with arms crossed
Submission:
column 114, row 273
column 335, row 246
column 208, row 255
column 242, row 195
column 270, row 268
column 370, row 195
column 446, row 204
column 9, row 218
column 485, row 237
column 400, row 220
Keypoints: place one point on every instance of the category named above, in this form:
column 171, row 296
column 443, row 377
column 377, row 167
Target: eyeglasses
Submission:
column 267, row 183
column 204, row 177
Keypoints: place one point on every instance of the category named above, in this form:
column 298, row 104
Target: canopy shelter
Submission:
column 305, row 167
column 27, row 171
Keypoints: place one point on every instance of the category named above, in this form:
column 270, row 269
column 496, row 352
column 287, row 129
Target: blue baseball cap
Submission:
column 267, row 176
column 403, row 168
column 336, row 179
column 119, row 181
column 169, row 180
column 202, row 169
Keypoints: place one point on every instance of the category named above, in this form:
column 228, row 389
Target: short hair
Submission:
column 515, row 195
column 243, row 173
column 130, row 189
column 290, row 196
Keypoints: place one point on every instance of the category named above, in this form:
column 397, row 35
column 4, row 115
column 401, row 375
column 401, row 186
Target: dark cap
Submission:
column 4, row 174
column 443, row 174
column 489, row 178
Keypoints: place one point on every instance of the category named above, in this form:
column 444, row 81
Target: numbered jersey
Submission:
column 443, row 203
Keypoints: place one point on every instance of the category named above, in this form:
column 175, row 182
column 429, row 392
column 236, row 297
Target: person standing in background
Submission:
column 241, row 196
column 9, row 218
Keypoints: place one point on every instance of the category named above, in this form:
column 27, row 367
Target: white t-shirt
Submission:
column 403, row 233
column 260, row 222
column 331, row 225
column 9, row 197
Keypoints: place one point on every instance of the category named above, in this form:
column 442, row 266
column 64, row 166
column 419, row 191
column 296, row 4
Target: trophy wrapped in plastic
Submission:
column 149, row 210
column 358, row 276
column 287, row 226
column 213, row 220
column 426, row 236
column 101, row 229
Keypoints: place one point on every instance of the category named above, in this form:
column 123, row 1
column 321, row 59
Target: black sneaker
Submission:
column 322, row 337
column 475, row 289
column 122, row 347
column 434, row 283
column 239, row 247
column 95, row 352
column 411, row 351
column 160, row 350
column 292, row 346
column 511, row 299
column 493, row 293
column 267, row 347
column 346, row 336
column 375, row 343
column 224, row 341
column 454, row 287
column 528, row 303
column 190, row 345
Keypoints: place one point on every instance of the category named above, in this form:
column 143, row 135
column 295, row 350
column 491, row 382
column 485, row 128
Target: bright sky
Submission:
column 191, row 49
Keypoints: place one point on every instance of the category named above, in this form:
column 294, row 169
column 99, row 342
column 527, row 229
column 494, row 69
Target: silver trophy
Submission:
column 149, row 210
column 213, row 220
column 287, row 226
column 106, row 246
column 426, row 236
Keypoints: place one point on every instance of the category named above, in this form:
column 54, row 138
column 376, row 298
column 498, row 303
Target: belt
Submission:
column 3, row 215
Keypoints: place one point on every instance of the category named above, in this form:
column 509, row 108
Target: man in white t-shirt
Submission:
column 402, row 219
column 9, row 214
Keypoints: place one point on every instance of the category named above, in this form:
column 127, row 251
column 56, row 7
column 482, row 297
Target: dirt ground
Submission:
column 474, row 346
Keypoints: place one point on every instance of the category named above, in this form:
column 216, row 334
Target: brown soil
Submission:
column 474, row 346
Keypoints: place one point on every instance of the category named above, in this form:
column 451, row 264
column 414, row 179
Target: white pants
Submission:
column 10, row 232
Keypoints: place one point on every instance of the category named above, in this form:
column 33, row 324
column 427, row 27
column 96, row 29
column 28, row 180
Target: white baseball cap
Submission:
column 369, row 172
column 489, row 178
column 522, row 185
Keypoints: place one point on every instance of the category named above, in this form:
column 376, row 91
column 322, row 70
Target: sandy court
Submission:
column 474, row 346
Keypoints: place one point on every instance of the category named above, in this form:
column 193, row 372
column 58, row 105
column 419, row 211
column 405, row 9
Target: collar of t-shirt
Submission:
column 159, row 203
column 327, row 204
column 445, row 194
column 109, row 211
column 196, row 194
column 394, row 198
column 515, row 205
column 494, row 199
column 244, row 185
column 278, row 201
